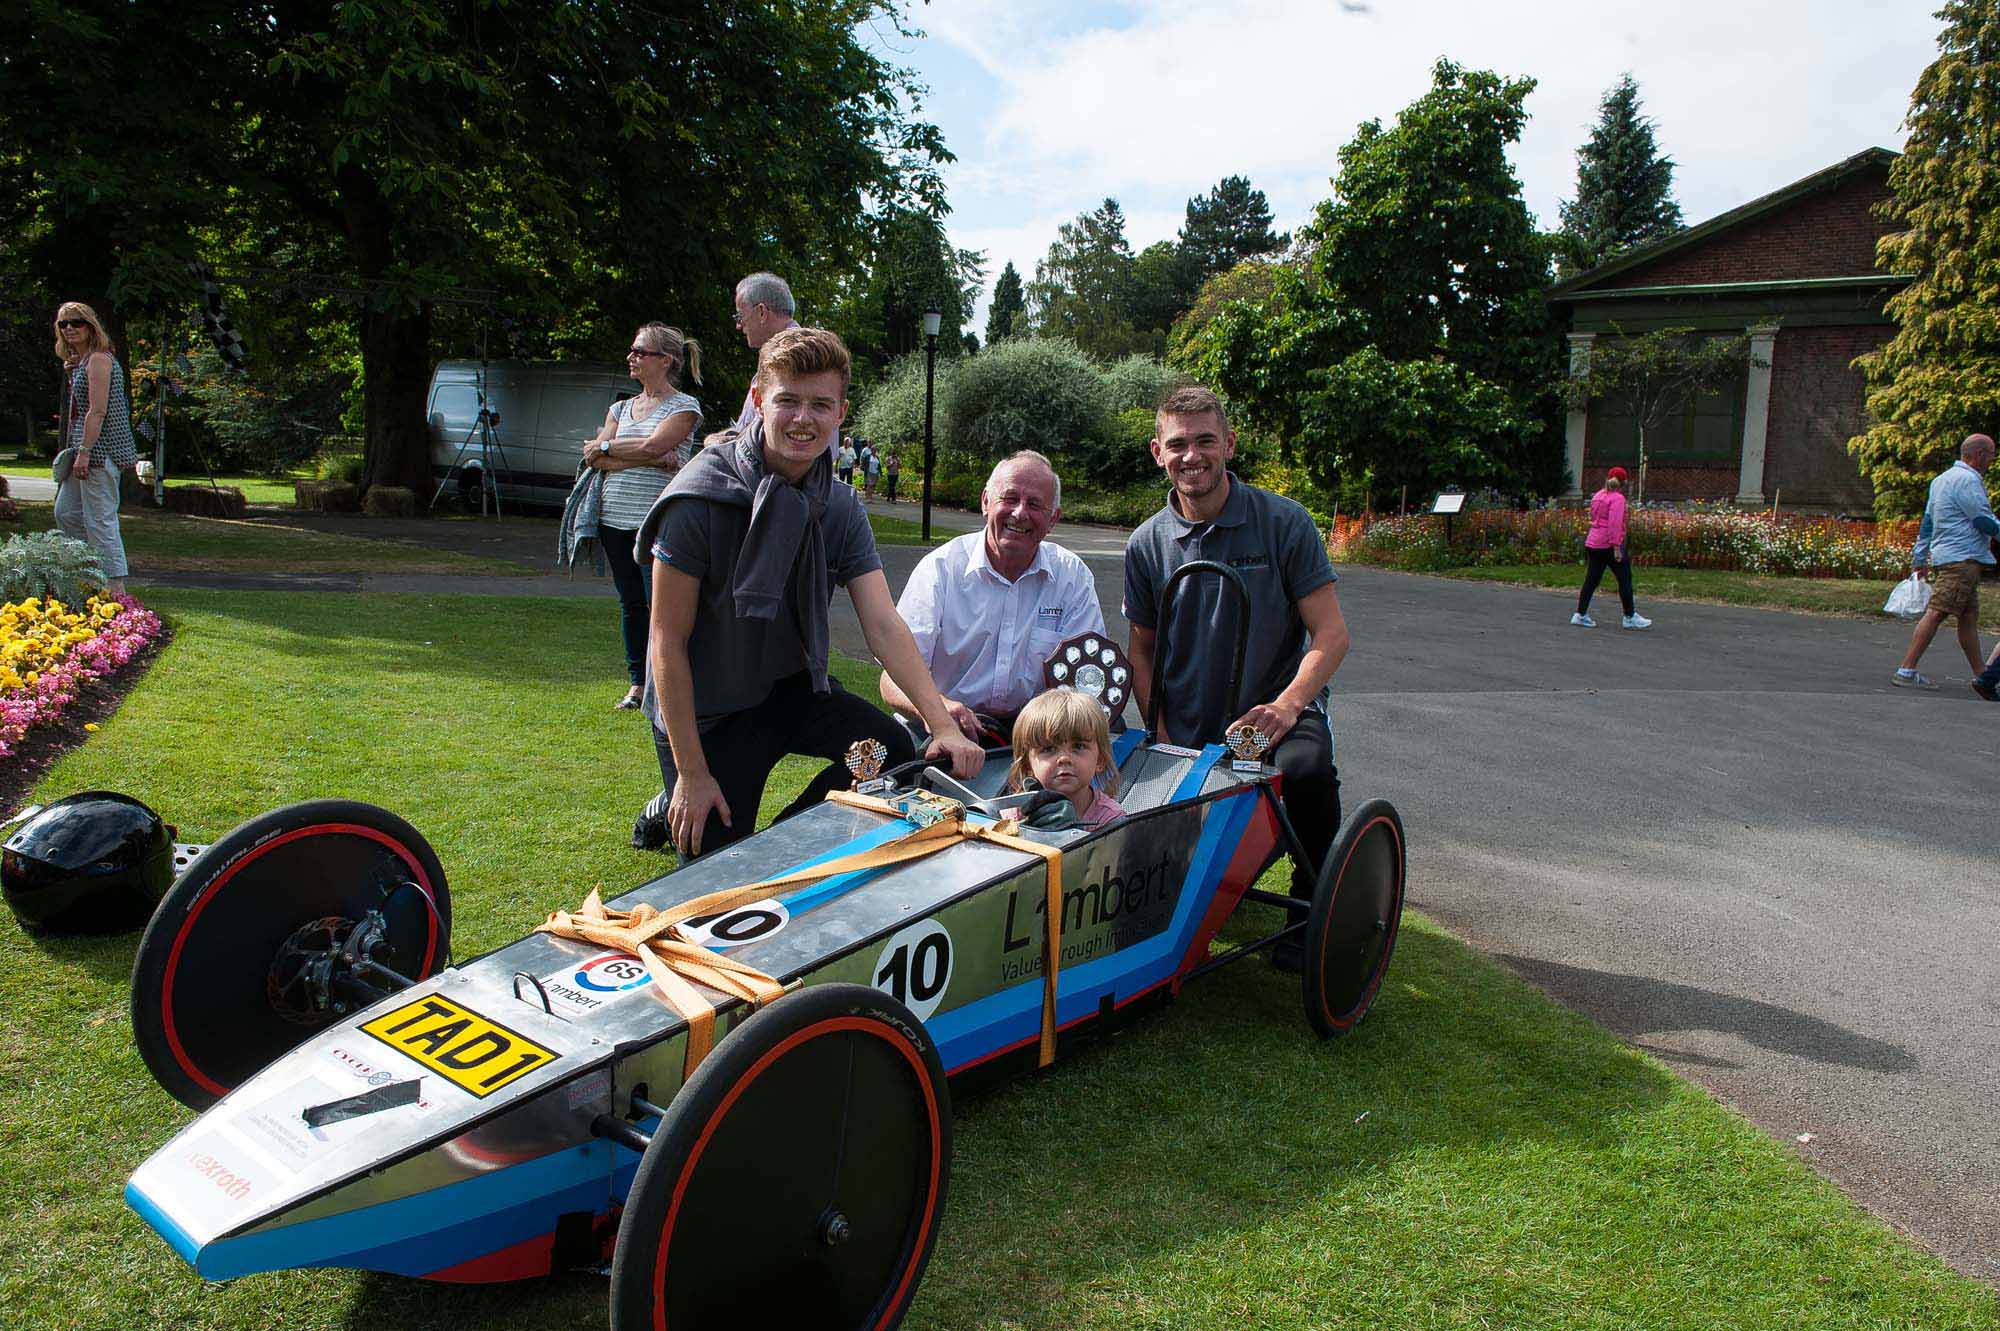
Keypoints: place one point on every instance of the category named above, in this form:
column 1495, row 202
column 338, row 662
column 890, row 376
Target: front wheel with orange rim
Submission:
column 1357, row 908
column 797, row 1180
column 276, row 931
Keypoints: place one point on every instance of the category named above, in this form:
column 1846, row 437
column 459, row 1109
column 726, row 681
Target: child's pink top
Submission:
column 1102, row 810
column 1607, row 520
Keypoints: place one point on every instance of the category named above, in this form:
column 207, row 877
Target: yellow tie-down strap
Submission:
column 677, row 965
column 1003, row 834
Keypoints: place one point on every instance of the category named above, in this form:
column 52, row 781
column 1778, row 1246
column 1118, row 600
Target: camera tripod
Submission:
column 492, row 456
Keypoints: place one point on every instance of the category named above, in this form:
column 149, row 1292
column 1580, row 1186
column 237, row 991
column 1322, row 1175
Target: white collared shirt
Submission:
column 985, row 638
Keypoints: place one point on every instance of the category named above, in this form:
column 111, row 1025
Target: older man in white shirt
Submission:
column 988, row 608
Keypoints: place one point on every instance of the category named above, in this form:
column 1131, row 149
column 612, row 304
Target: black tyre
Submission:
column 798, row 1178
column 207, row 1006
column 1357, row 907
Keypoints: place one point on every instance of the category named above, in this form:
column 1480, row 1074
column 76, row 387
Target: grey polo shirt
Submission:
column 1273, row 545
column 735, row 661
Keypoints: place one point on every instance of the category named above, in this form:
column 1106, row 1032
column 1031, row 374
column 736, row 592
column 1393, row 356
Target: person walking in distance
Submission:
column 1604, row 547
column 1953, row 545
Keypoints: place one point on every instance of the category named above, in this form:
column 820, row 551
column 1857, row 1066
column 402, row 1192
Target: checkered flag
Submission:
column 214, row 322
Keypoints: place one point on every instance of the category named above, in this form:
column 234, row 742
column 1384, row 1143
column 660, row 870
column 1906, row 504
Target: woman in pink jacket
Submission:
column 1604, row 547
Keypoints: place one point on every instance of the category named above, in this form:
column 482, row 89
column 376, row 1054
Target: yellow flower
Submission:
column 91, row 726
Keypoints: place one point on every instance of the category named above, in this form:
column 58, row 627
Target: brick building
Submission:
column 1796, row 271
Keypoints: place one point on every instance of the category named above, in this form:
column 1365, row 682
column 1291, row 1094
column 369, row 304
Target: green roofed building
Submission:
column 1794, row 269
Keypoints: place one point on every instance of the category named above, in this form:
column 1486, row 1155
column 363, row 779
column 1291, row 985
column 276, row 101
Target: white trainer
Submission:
column 1583, row 621
column 1637, row 622
column 1912, row 680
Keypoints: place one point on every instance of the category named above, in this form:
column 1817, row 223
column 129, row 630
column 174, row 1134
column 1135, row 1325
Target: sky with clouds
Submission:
column 1052, row 105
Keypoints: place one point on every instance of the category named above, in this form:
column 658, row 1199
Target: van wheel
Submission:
column 468, row 490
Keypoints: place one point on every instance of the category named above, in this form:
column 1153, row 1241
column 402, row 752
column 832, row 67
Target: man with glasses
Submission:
column 764, row 308
column 988, row 608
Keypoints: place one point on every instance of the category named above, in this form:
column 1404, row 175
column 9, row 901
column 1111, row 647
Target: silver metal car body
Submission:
column 467, row 1182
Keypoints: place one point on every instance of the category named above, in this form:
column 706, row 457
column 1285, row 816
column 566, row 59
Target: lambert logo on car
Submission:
column 1107, row 910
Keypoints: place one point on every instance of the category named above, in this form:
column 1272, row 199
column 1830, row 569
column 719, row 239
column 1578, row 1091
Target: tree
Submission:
column 1028, row 392
column 911, row 268
column 1225, row 226
column 1624, row 187
column 1083, row 287
column 1425, row 257
column 589, row 166
column 1010, row 306
column 1252, row 280
column 97, row 204
column 1159, row 290
column 1656, row 374
column 1938, row 379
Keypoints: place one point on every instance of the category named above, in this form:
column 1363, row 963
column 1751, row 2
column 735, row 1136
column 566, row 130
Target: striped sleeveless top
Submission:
column 629, row 494
column 114, row 438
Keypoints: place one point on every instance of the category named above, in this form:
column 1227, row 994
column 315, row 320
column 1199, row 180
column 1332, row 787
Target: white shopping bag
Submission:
column 1911, row 598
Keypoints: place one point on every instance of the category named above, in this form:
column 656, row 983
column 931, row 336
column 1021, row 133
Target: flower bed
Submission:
column 48, row 652
column 1660, row 537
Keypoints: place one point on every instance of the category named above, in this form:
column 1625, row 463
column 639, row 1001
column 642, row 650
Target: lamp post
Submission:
column 932, row 318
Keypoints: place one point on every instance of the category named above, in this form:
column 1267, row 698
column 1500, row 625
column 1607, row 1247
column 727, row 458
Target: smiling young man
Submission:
column 989, row 607
column 1297, row 635
column 748, row 542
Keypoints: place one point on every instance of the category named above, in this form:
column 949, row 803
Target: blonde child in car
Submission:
column 1063, row 741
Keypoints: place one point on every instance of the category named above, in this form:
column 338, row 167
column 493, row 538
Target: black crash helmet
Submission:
column 96, row 862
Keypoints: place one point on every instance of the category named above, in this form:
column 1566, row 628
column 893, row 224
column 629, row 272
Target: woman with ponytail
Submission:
column 645, row 440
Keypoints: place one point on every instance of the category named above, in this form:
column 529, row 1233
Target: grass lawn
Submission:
column 1474, row 1157
column 161, row 542
column 901, row 531
column 256, row 489
column 1857, row 597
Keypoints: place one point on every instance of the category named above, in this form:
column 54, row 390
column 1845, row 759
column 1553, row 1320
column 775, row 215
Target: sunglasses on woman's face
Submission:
column 642, row 353
column 72, row 323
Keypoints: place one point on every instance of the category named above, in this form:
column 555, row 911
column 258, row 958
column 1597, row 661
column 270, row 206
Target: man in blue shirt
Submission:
column 1955, row 544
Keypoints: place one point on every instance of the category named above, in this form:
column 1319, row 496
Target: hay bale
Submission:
column 309, row 496
column 341, row 497
column 206, row 501
column 389, row 501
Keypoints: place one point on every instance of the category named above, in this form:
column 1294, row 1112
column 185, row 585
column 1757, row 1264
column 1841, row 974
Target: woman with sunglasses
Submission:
column 645, row 440
column 96, row 438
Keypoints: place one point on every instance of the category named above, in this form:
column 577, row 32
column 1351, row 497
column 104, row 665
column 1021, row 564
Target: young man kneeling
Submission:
column 748, row 542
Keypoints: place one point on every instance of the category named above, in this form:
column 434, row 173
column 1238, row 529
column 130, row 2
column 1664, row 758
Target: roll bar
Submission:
column 1234, row 581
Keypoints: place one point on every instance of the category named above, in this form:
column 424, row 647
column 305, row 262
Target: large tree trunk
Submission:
column 395, row 345
column 395, row 375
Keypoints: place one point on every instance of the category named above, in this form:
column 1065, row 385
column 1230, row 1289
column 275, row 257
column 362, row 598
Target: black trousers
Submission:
column 1311, row 793
column 743, row 748
column 634, row 582
column 1594, row 563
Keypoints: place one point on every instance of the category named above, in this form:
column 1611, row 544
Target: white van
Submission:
column 543, row 413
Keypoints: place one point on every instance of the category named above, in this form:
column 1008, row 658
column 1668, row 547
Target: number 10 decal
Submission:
column 914, row 967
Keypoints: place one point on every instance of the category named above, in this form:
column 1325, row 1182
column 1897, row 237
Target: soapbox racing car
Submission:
column 746, row 1109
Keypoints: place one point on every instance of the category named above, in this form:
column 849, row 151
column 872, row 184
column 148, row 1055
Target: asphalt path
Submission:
column 1727, row 839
